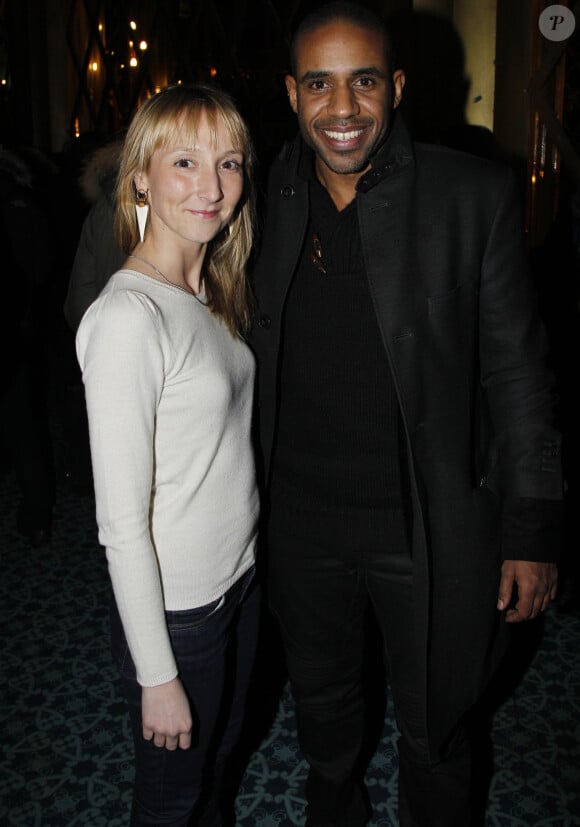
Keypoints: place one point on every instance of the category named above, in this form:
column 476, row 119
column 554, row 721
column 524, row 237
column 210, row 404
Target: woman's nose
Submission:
column 209, row 185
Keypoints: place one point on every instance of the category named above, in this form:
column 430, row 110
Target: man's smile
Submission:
column 343, row 136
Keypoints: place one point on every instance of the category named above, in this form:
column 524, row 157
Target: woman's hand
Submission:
column 166, row 715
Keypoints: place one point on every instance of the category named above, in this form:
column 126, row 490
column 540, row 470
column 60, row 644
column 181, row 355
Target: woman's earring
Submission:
column 142, row 210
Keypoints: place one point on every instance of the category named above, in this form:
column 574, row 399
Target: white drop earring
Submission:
column 142, row 210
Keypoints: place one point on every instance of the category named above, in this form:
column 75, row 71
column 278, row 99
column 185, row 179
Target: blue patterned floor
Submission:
column 65, row 758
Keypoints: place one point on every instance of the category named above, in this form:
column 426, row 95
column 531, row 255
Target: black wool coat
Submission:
column 446, row 265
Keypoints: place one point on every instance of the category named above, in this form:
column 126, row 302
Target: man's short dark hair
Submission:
column 353, row 13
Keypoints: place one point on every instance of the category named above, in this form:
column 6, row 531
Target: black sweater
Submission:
column 337, row 446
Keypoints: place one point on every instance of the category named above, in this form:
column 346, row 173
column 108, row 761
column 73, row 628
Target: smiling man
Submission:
column 410, row 460
column 343, row 91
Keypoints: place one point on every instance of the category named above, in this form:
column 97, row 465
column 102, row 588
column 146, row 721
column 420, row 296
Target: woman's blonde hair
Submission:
column 170, row 111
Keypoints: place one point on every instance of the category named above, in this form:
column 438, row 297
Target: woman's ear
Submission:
column 140, row 181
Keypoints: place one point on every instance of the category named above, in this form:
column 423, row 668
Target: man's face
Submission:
column 343, row 94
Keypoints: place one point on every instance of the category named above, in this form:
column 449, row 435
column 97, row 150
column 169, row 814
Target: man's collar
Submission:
column 395, row 152
column 306, row 162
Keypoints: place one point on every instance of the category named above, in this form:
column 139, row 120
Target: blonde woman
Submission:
column 169, row 382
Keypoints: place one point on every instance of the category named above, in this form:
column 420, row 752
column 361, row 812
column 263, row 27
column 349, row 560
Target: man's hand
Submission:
column 531, row 585
column 166, row 715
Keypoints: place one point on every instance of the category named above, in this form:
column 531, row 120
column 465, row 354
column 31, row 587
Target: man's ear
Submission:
column 398, row 86
column 291, row 89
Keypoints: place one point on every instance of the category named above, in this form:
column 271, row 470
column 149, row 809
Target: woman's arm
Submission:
column 121, row 351
column 166, row 715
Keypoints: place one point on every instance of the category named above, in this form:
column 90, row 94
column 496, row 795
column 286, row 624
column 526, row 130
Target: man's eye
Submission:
column 318, row 84
column 364, row 81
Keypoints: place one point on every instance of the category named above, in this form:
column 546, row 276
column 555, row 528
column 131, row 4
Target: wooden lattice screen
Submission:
column 121, row 51
column 554, row 132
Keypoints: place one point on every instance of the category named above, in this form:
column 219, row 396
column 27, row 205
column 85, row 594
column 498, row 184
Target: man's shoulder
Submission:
column 449, row 183
column 454, row 167
column 289, row 149
column 286, row 176
column 287, row 158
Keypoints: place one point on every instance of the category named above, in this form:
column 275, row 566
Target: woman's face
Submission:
column 193, row 189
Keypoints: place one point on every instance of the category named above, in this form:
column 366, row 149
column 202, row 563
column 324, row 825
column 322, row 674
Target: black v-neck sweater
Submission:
column 337, row 445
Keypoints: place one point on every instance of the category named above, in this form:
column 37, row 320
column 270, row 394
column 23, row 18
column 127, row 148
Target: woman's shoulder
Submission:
column 129, row 292
column 125, row 305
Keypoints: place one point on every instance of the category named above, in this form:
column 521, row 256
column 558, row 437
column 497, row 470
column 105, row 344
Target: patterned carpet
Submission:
column 66, row 759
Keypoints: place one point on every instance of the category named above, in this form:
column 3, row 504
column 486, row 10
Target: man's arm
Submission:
column 526, row 589
column 520, row 392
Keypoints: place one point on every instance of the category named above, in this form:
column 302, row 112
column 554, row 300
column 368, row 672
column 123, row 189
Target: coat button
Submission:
column 265, row 322
column 287, row 191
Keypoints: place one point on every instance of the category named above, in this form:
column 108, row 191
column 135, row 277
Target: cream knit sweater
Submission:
column 169, row 400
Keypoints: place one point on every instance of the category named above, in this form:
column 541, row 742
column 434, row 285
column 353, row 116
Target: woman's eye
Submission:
column 184, row 163
column 231, row 164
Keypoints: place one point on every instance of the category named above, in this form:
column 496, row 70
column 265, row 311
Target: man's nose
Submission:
column 343, row 102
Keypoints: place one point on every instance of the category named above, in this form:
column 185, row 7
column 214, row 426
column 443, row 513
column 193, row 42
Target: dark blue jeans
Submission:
column 215, row 647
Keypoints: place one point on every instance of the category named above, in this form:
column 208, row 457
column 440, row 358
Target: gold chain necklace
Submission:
column 164, row 277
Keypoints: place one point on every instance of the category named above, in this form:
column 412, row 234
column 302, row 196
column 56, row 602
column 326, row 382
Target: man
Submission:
column 405, row 423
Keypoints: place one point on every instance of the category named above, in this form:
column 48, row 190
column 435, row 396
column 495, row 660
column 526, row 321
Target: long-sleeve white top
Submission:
column 169, row 399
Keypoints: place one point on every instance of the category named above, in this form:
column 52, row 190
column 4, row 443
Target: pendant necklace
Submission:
column 164, row 277
column 316, row 256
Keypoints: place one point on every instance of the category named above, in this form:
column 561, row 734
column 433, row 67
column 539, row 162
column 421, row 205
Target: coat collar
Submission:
column 395, row 153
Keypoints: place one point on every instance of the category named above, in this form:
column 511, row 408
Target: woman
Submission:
column 168, row 383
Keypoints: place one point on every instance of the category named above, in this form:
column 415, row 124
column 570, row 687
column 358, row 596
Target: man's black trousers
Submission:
column 321, row 582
